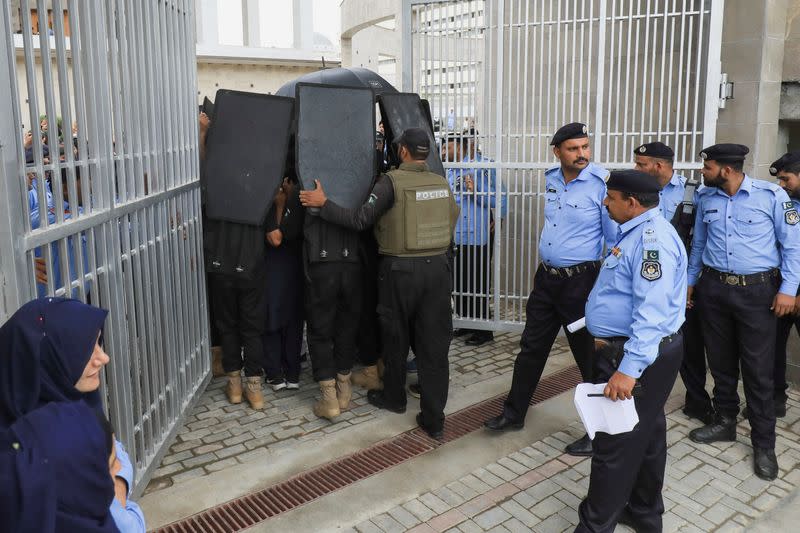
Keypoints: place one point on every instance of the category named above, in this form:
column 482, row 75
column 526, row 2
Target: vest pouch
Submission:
column 427, row 217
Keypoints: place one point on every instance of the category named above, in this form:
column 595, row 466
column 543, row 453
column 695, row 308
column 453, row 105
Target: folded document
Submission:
column 598, row 413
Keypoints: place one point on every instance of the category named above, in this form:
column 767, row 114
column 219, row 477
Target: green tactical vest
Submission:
column 423, row 217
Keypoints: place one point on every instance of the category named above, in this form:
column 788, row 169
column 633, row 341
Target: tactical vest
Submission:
column 683, row 219
column 423, row 217
column 326, row 242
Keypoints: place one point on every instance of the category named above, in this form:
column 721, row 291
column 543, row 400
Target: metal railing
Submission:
column 510, row 73
column 104, row 202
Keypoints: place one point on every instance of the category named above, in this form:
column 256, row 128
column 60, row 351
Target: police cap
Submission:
column 632, row 181
column 725, row 153
column 574, row 130
column 787, row 159
column 655, row 149
column 416, row 140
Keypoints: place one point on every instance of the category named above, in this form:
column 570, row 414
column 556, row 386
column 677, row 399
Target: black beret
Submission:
column 632, row 181
column 574, row 130
column 656, row 149
column 416, row 139
column 787, row 159
column 725, row 153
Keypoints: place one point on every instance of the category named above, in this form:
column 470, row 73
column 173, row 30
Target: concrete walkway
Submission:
column 518, row 481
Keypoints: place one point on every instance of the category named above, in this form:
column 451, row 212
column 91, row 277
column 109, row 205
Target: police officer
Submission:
column 747, row 248
column 787, row 170
column 414, row 216
column 333, row 310
column 635, row 312
column 676, row 203
column 575, row 228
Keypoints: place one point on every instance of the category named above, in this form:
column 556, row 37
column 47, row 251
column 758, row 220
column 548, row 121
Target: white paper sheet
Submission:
column 602, row 414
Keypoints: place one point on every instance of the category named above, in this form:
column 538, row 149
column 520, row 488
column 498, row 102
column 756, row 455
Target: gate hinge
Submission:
column 725, row 90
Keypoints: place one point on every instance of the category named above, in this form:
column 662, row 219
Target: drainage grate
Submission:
column 249, row 510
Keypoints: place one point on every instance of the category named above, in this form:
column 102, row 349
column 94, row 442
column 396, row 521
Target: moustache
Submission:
column 581, row 160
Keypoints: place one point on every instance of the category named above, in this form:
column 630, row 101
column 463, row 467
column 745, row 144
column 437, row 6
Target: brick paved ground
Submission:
column 538, row 488
column 217, row 435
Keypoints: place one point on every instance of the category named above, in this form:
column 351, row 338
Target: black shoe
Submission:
column 460, row 332
column 581, row 447
column 479, row 338
column 780, row 410
column 376, row 398
column 414, row 390
column 703, row 414
column 722, row 429
column 765, row 464
column 434, row 434
column 501, row 423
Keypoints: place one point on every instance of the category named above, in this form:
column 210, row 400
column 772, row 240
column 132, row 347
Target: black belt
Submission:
column 622, row 340
column 741, row 280
column 570, row 271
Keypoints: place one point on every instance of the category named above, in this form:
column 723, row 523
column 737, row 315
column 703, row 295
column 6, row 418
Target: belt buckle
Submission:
column 732, row 279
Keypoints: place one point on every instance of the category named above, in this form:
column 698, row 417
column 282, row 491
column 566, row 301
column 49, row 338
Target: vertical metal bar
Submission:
column 646, row 83
column 679, row 85
column 500, row 58
column 601, row 66
column 713, row 72
column 698, row 80
column 405, row 46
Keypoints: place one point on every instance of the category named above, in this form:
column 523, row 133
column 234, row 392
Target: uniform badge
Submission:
column 649, row 231
column 787, row 205
column 791, row 217
column 616, row 251
column 583, row 129
column 650, row 255
column 773, row 170
column 642, row 149
column 651, row 270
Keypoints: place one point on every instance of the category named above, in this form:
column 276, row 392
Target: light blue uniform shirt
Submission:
column 640, row 292
column 128, row 519
column 475, row 216
column 671, row 196
column 754, row 230
column 35, row 214
column 576, row 223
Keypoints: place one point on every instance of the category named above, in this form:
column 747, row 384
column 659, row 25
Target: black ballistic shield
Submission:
column 207, row 107
column 401, row 111
column 336, row 141
column 246, row 154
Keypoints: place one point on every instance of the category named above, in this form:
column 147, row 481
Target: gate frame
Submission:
column 711, row 106
column 175, row 190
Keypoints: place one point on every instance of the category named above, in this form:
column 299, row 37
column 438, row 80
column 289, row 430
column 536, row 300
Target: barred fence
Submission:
column 101, row 200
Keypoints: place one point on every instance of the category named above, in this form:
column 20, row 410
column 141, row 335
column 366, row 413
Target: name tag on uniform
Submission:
column 432, row 195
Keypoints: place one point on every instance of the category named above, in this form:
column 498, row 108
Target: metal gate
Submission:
column 506, row 74
column 101, row 201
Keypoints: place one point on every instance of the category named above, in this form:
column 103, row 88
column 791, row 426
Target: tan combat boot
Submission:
column 343, row 391
column 233, row 390
column 253, row 393
column 216, row 362
column 367, row 378
column 328, row 405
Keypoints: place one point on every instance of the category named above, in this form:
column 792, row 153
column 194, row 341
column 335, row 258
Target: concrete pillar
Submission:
column 251, row 23
column 207, row 22
column 303, row 24
column 752, row 55
column 347, row 51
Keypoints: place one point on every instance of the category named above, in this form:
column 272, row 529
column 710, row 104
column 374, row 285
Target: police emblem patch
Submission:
column 651, row 270
column 642, row 149
column 791, row 217
column 787, row 205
